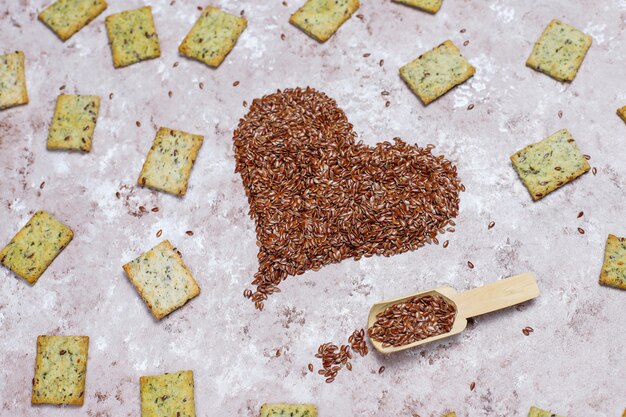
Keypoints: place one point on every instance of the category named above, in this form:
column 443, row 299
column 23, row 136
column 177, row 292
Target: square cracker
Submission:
column 537, row 412
column 291, row 410
column 12, row 80
column 430, row 6
column 614, row 267
column 167, row 395
column 66, row 17
column 621, row 112
column 320, row 19
column 170, row 160
column 213, row 36
column 162, row 279
column 60, row 370
column 549, row 164
column 35, row 246
column 437, row 71
column 74, row 122
column 559, row 51
column 133, row 36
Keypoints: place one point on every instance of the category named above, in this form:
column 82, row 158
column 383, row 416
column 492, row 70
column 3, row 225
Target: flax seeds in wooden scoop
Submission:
column 409, row 321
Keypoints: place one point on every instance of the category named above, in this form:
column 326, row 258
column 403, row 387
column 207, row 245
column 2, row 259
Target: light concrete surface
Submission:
column 573, row 362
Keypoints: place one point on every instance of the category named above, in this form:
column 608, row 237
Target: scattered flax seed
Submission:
column 62, row 87
column 367, row 55
column 310, row 367
column 388, row 103
column 580, row 214
column 491, row 225
column 470, row 265
column 333, row 359
column 138, row 123
column 349, row 366
column 587, row 157
column 247, row 293
column 472, row 386
column 43, row 184
column 236, row 83
column 117, row 194
column 381, row 370
column 142, row 209
column 470, row 107
column 359, row 16
column 357, row 342
column 170, row 94
column 245, row 103
column 465, row 43
column 385, row 93
column 175, row 64
column 594, row 170
column 285, row 3
column 581, row 230
column 560, row 114
column 201, row 85
column 463, row 30
column 155, row 209
column 189, row 233
column 277, row 353
column 111, row 96
column 527, row 330
column 381, row 63
column 242, row 13
column 159, row 233
column 283, row 37
column 446, row 243
column 199, row 7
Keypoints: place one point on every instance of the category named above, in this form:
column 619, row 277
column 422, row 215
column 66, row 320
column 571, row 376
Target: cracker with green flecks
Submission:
column 430, row 6
column 621, row 112
column 436, row 72
column 35, row 246
column 12, row 80
column 167, row 395
column 162, row 279
column 537, row 412
column 66, row 17
column 213, row 36
column 288, row 410
column 614, row 267
column 560, row 51
column 170, row 160
column 132, row 36
column 60, row 370
column 320, row 19
column 74, row 122
column 549, row 164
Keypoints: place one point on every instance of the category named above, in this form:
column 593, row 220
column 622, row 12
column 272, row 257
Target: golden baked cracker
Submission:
column 559, row 51
column 170, row 160
column 430, row 6
column 537, row 412
column 288, row 410
column 213, row 36
column 549, row 164
column 437, row 71
column 450, row 414
column 167, row 395
column 66, row 17
column 614, row 266
column 621, row 112
column 133, row 36
column 74, row 122
column 12, row 80
column 60, row 370
column 320, row 19
column 35, row 246
column 162, row 279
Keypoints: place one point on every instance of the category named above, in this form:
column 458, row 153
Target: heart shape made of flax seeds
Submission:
column 318, row 197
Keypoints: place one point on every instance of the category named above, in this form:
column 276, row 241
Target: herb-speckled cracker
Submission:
column 547, row 165
column 12, row 80
column 35, row 246
column 430, row 6
column 320, row 19
column 133, row 36
column 162, row 279
column 288, row 410
column 614, row 267
column 437, row 71
column 74, row 122
column 536, row 412
column 559, row 51
column 169, row 162
column 66, row 17
column 167, row 395
column 213, row 36
column 621, row 112
column 60, row 370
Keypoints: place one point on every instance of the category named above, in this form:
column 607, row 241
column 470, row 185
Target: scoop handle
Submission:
column 497, row 295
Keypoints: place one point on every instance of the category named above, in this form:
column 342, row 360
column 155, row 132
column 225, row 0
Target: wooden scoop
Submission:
column 481, row 300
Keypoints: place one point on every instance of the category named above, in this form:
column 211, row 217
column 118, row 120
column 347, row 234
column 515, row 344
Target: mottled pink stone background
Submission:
column 573, row 363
